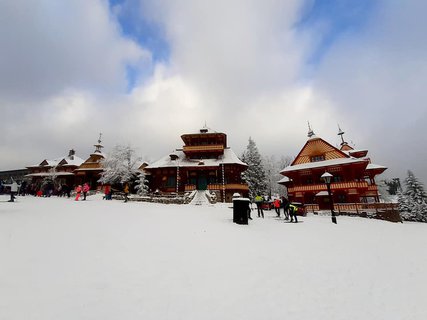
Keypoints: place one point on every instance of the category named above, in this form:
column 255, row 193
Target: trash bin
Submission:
column 240, row 210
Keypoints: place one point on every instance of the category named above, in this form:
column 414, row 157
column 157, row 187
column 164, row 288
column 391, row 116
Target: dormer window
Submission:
column 317, row 158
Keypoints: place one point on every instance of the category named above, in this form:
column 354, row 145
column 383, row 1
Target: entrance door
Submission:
column 202, row 182
column 324, row 203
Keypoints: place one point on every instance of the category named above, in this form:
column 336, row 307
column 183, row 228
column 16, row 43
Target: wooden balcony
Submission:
column 334, row 186
column 215, row 148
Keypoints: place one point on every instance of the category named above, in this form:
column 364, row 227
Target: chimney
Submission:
column 71, row 154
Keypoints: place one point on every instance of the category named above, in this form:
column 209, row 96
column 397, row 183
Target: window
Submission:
column 171, row 182
column 317, row 158
column 342, row 198
column 337, row 178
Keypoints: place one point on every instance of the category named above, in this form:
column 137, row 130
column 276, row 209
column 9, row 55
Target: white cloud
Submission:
column 51, row 45
column 375, row 83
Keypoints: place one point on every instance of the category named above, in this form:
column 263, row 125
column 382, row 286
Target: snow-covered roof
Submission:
column 354, row 151
column 320, row 164
column 49, row 174
column 284, row 180
column 96, row 153
column 229, row 157
column 70, row 161
column 372, row 166
column 322, row 193
column 74, row 161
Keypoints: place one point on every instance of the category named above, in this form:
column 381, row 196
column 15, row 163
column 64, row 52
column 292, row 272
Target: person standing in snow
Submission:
column 78, row 192
column 126, row 191
column 107, row 192
column 293, row 212
column 13, row 191
column 258, row 201
column 277, row 207
column 85, row 190
column 66, row 190
column 285, row 203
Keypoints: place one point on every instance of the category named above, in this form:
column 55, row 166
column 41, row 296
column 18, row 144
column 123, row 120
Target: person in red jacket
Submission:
column 107, row 192
column 277, row 206
column 85, row 190
column 78, row 192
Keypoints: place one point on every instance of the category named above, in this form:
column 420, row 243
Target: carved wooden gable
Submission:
column 317, row 149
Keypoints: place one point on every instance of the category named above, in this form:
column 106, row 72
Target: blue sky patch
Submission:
column 330, row 19
column 143, row 30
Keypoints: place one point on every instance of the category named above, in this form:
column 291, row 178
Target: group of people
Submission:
column 82, row 189
column 289, row 210
column 108, row 192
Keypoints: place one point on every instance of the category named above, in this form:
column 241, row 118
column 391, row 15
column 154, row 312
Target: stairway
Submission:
column 200, row 198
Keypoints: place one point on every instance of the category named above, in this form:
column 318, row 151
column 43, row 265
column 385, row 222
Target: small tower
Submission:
column 310, row 131
column 344, row 145
column 98, row 146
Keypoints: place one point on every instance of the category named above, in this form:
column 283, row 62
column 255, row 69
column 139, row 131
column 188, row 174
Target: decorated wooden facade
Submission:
column 353, row 174
column 90, row 170
column 59, row 170
column 205, row 162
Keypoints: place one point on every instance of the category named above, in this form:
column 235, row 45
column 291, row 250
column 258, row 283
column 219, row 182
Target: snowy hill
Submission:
column 96, row 259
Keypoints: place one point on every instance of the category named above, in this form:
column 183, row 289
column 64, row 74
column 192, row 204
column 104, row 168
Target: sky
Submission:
column 145, row 72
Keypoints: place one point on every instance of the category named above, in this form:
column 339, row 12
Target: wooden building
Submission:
column 90, row 170
column 59, row 170
column 353, row 174
column 205, row 162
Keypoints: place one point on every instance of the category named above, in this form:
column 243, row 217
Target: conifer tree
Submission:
column 142, row 184
column 413, row 202
column 414, row 189
column 255, row 175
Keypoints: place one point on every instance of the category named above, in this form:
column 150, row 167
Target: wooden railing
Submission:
column 334, row 186
column 190, row 187
column 219, row 186
column 228, row 186
column 204, row 148
column 356, row 207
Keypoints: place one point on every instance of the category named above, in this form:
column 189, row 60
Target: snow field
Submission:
column 62, row 259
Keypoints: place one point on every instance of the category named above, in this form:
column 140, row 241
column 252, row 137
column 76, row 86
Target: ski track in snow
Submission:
column 95, row 259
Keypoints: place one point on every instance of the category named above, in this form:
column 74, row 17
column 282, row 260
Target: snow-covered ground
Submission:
column 61, row 259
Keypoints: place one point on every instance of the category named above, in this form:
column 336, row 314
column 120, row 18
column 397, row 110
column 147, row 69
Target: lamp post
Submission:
column 327, row 177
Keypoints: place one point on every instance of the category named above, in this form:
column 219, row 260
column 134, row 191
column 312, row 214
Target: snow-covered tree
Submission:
column 255, row 175
column 119, row 166
column 142, row 184
column 393, row 186
column 414, row 189
column 413, row 202
column 272, row 166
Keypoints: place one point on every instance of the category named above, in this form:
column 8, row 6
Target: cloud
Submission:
column 374, row 81
column 48, row 46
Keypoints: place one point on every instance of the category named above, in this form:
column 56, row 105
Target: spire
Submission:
column 310, row 131
column 341, row 133
column 98, row 146
column 344, row 145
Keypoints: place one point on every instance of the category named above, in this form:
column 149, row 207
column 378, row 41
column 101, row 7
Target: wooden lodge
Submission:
column 353, row 173
column 205, row 162
column 60, row 169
